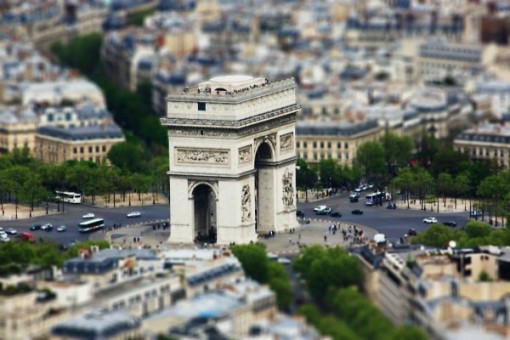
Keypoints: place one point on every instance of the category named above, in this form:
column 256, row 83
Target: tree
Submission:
column 305, row 176
column 397, row 150
column 461, row 186
column 404, row 182
column 427, row 148
column 423, row 183
column 449, row 161
column 128, row 157
column 437, row 235
column 254, row 260
column 330, row 176
column 320, row 267
column 444, row 185
column 370, row 156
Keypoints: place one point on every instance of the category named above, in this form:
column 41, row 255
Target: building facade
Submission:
column 489, row 142
column 232, row 155
column 332, row 140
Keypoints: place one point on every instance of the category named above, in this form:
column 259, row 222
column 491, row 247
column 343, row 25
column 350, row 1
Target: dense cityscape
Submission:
column 241, row 169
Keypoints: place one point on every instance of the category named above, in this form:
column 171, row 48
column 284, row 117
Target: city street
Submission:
column 393, row 223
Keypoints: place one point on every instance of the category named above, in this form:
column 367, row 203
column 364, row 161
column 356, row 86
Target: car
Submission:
column 134, row 214
column 4, row 238
column 322, row 210
column 357, row 190
column 35, row 227
column 364, row 187
column 430, row 220
column 475, row 213
column 61, row 229
column 452, row 224
column 12, row 231
column 335, row 214
column 285, row 261
column 391, row 206
column 412, row 232
column 353, row 199
column 89, row 215
column 47, row 227
column 300, row 213
column 357, row 212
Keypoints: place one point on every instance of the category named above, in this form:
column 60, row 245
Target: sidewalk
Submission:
column 311, row 234
column 462, row 206
column 9, row 212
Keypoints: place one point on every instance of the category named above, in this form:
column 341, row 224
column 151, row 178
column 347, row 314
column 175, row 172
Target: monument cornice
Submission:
column 230, row 124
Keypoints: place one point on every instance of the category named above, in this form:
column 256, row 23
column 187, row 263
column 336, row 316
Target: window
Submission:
column 329, row 145
column 315, row 156
column 338, row 145
column 346, row 145
column 322, row 145
column 81, row 149
column 201, row 106
column 304, row 144
column 104, row 148
column 97, row 148
column 298, row 144
column 90, row 149
column 75, row 150
column 314, row 145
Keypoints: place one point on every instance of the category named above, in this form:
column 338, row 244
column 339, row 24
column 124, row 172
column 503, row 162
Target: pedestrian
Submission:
column 299, row 237
column 290, row 240
column 325, row 238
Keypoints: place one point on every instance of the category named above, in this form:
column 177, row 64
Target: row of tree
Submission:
column 27, row 180
column 131, row 110
column 475, row 234
column 333, row 278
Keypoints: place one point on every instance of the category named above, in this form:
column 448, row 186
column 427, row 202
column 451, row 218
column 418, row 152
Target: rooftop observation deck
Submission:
column 231, row 102
column 231, row 89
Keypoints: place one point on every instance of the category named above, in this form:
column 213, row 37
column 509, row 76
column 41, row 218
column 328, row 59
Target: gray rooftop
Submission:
column 111, row 131
column 324, row 128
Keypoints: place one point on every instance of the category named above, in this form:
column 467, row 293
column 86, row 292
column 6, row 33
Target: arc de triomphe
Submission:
column 232, row 159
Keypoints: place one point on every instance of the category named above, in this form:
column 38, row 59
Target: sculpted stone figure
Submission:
column 288, row 189
column 246, row 203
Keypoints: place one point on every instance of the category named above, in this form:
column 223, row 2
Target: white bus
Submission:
column 68, row 197
column 91, row 225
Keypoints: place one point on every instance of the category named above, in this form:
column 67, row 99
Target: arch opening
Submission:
column 204, row 213
column 263, row 188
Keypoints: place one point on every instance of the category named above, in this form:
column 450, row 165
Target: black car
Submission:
column 353, row 199
column 450, row 223
column 335, row 214
column 35, row 227
column 300, row 213
column 412, row 232
column 357, row 212
column 391, row 206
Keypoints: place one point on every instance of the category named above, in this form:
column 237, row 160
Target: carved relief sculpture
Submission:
column 202, row 156
column 245, row 154
column 286, row 142
column 246, row 203
column 288, row 189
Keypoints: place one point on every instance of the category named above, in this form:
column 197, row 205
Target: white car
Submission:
column 430, row 220
column 134, row 214
column 4, row 238
column 320, row 208
column 89, row 215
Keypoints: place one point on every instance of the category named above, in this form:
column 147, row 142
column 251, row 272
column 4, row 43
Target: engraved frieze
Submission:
column 246, row 203
column 245, row 154
column 286, row 142
column 288, row 188
column 203, row 156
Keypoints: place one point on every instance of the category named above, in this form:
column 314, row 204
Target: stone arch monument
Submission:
column 232, row 159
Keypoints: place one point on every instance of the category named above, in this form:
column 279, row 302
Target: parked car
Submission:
column 412, row 232
column 35, row 227
column 430, row 220
column 61, row 229
column 300, row 213
column 134, row 214
column 322, row 210
column 12, row 231
column 450, row 224
column 357, row 212
column 335, row 214
column 391, row 206
column 4, row 238
column 47, row 227
column 89, row 215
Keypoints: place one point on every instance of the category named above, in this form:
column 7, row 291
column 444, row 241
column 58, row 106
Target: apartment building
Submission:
column 486, row 141
column 441, row 290
column 334, row 140
column 17, row 128
column 498, row 93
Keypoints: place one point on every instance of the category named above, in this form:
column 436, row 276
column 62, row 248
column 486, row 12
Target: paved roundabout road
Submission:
column 393, row 223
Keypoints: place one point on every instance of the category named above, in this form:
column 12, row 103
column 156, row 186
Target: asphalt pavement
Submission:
column 393, row 223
